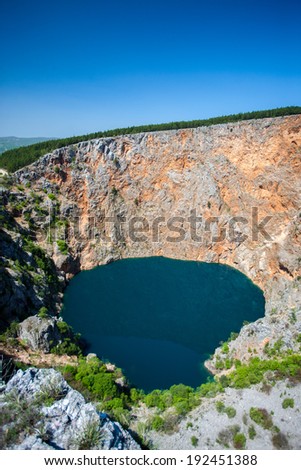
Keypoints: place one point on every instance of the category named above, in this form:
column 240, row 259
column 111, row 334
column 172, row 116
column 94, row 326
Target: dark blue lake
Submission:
column 159, row 319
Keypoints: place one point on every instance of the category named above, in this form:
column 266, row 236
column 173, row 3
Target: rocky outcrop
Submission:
column 40, row 334
column 59, row 416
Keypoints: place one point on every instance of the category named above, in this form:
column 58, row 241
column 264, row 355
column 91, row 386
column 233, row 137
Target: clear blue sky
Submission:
column 71, row 67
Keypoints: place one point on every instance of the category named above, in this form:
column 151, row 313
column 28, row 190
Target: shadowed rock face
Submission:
column 28, row 280
column 218, row 173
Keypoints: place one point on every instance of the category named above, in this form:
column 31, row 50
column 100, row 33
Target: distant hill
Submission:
column 9, row 143
column 13, row 160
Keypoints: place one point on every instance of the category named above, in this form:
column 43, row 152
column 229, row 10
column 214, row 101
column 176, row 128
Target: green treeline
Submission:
column 15, row 159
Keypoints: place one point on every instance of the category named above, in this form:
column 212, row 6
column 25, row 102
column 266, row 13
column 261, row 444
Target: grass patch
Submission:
column 288, row 403
column 239, row 441
column 251, row 432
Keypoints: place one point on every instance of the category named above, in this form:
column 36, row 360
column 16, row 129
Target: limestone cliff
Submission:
column 243, row 179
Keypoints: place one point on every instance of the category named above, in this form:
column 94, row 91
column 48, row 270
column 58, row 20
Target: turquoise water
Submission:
column 158, row 318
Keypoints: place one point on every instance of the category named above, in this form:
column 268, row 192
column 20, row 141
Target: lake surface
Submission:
column 159, row 319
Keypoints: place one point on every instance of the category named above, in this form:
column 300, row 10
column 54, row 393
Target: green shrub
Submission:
column 228, row 363
column 252, row 373
column 52, row 196
column 252, row 432
column 136, row 395
column 194, row 441
column 42, row 261
column 71, row 343
column 122, row 415
column 182, row 407
column 94, row 381
column 226, row 435
column 154, row 399
column 288, row 403
column 62, row 246
column 43, row 312
column 225, row 348
column 171, row 421
column 220, row 406
column 10, row 334
column 261, row 417
column 233, row 336
column 239, row 441
column 293, row 317
column 210, row 389
column 114, row 404
column 219, row 363
column 230, row 412
column 157, row 423
column 63, row 327
column 182, row 397
column 68, row 347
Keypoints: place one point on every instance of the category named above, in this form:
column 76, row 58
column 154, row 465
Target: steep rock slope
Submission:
column 28, row 277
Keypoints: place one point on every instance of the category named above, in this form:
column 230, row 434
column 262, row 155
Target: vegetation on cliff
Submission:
column 15, row 159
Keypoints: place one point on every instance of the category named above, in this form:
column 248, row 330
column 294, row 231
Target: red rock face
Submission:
column 242, row 182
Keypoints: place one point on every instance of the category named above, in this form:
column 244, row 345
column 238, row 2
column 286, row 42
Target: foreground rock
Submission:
column 57, row 416
column 278, row 426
